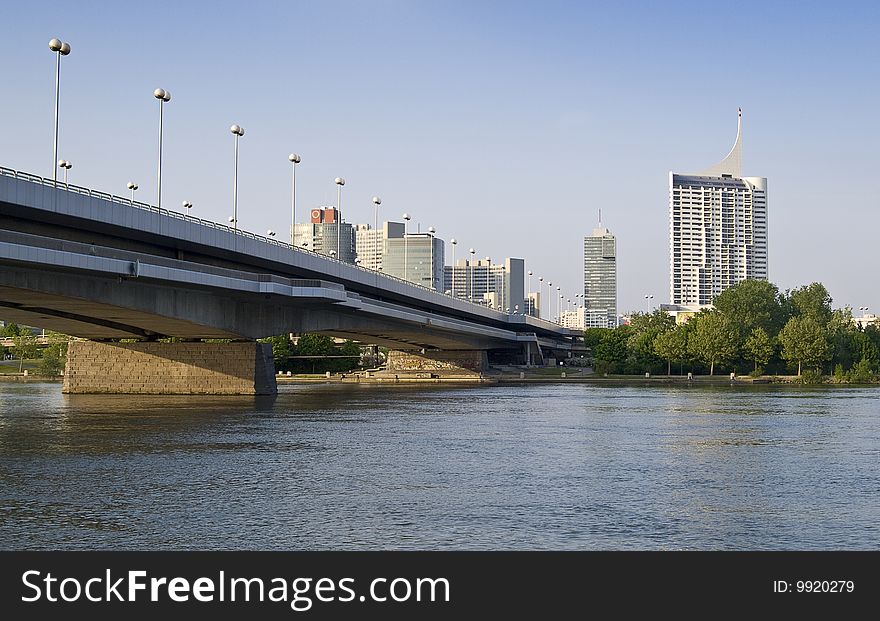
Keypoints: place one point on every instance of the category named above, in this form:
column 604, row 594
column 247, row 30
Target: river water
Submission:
column 540, row 466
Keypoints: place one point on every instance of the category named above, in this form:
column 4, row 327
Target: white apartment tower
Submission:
column 717, row 229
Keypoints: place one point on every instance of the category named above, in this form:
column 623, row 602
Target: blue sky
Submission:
column 503, row 124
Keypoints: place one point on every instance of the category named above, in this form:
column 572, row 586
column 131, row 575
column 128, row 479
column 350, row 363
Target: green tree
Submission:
column 759, row 347
column 811, row 301
column 804, row 341
column 752, row 304
column 282, row 349
column 644, row 328
column 611, row 352
column 672, row 346
column 10, row 330
column 52, row 363
column 713, row 340
column 24, row 347
column 840, row 330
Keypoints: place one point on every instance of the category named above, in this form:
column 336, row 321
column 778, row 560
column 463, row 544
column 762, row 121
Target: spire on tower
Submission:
column 732, row 164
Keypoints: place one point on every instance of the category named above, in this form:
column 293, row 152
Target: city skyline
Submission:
column 428, row 146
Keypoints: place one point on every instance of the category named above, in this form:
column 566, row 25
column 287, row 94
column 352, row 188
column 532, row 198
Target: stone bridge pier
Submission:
column 182, row 368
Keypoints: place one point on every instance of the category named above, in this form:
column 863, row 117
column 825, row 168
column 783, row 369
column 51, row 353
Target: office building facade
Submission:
column 320, row 235
column 497, row 285
column 717, row 230
column 370, row 243
column 416, row 257
column 600, row 279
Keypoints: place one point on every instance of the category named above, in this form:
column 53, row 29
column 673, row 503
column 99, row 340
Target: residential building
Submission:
column 717, row 229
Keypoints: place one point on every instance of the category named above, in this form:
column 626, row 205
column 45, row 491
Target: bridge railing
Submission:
column 128, row 202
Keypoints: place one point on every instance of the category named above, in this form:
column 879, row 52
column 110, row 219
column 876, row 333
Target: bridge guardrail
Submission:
column 69, row 187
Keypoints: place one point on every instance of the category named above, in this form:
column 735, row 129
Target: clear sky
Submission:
column 503, row 124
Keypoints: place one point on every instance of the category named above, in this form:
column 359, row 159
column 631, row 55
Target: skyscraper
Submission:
column 717, row 229
column 498, row 285
column 370, row 243
column 600, row 278
column 320, row 235
column 416, row 257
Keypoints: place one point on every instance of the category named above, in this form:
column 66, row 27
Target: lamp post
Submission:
column 238, row 132
column 376, row 201
column 529, row 293
column 540, row 284
column 558, row 310
column 648, row 299
column 61, row 48
column 164, row 97
column 270, row 233
column 431, row 232
column 294, row 160
column 339, row 181
column 406, row 218
column 132, row 186
column 549, row 302
column 187, row 206
column 66, row 165
column 454, row 244
column 489, row 279
column 471, row 296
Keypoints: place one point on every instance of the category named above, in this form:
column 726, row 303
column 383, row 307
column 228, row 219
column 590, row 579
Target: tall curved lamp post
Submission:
column 376, row 201
column 61, row 48
column 472, row 253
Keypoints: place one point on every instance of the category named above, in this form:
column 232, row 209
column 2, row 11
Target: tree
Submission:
column 10, row 330
column 713, row 340
column 759, row 346
column 611, row 352
column 804, row 341
column 282, row 349
column 672, row 346
column 811, row 301
column 24, row 346
column 645, row 327
column 840, row 330
column 752, row 304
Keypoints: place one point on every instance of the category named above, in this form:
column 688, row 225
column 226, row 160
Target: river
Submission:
column 537, row 466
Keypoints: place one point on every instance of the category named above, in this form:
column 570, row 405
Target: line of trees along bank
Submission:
column 313, row 345
column 753, row 329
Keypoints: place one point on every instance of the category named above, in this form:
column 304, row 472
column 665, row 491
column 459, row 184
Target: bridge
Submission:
column 111, row 269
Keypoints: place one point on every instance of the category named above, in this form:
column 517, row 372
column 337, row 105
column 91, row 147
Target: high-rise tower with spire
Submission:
column 600, row 278
column 717, row 229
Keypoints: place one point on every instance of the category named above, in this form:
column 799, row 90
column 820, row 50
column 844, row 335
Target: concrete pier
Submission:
column 170, row 368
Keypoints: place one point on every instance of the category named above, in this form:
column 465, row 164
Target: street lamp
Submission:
column 454, row 244
column 549, row 302
column 187, row 206
column 376, row 201
column 66, row 166
column 164, row 97
column 339, row 181
column 431, row 232
column 648, row 299
column 294, row 159
column 558, row 311
column 270, row 233
column 529, row 294
column 132, row 186
column 406, row 219
column 540, row 284
column 238, row 132
column 61, row 48
column 471, row 296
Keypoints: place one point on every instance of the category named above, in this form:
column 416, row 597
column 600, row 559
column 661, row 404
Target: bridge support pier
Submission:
column 170, row 368
column 446, row 362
